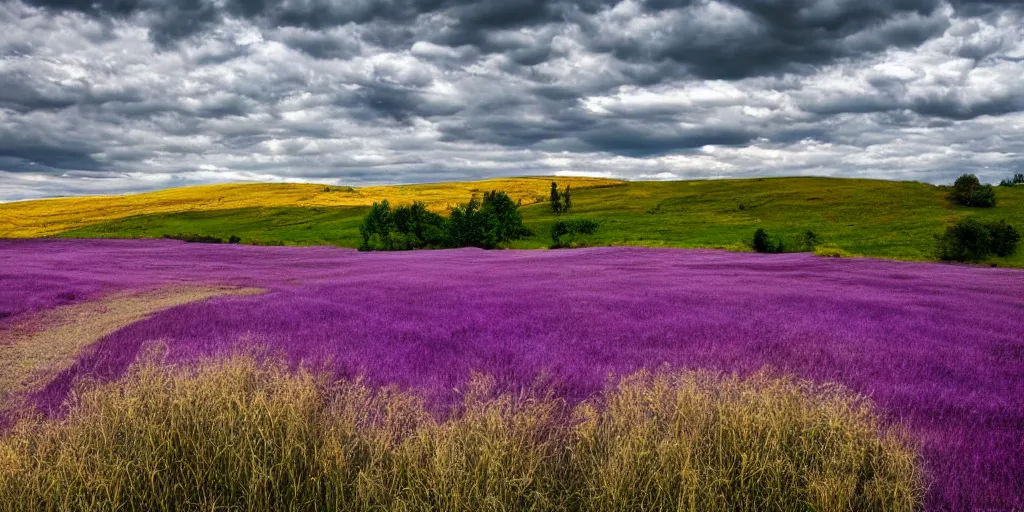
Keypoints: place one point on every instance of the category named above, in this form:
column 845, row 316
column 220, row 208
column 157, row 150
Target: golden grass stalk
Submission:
column 241, row 434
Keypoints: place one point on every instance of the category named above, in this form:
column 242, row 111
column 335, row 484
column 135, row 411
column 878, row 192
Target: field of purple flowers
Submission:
column 939, row 347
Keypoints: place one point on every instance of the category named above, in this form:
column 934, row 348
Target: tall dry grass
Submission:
column 240, row 434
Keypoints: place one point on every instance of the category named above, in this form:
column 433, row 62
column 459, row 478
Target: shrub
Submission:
column 1005, row 238
column 966, row 240
column 968, row 191
column 195, row 238
column 832, row 252
column 234, row 240
column 244, row 435
column 764, row 243
column 570, row 229
column 809, row 240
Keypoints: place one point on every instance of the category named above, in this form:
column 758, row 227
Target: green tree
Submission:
column 377, row 227
column 465, row 226
column 555, row 198
column 417, row 227
column 567, row 199
column 502, row 220
column 968, row 191
column 764, row 243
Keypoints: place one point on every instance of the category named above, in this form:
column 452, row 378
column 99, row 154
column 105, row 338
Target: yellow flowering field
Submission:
column 28, row 219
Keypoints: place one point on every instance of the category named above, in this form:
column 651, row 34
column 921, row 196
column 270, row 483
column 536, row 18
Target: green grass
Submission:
column 861, row 217
column 261, row 226
column 243, row 435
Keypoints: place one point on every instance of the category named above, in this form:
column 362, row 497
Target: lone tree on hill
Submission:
column 560, row 201
column 968, row 191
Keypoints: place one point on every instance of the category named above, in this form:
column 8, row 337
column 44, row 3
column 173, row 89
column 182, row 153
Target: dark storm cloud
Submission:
column 32, row 156
column 642, row 140
column 148, row 93
column 777, row 35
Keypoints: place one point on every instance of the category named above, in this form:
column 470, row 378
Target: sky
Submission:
column 115, row 96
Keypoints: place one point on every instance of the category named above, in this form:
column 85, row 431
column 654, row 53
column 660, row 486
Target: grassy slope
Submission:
column 868, row 217
column 262, row 226
column 51, row 216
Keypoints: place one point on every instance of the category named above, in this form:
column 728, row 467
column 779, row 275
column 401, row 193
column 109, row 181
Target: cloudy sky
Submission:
column 110, row 96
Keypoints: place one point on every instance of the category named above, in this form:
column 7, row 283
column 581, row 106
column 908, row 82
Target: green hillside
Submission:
column 865, row 217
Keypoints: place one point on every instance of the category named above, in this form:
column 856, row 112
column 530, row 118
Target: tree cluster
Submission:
column 1017, row 179
column 968, row 191
column 485, row 224
column 561, row 201
column 969, row 240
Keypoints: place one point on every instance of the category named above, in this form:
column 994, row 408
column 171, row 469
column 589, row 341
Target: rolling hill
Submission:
column 864, row 217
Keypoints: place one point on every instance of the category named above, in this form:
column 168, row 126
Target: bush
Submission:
column 570, row 229
column 809, row 240
column 1005, row 238
column 246, row 436
column 968, row 191
column 195, row 238
column 764, row 243
column 832, row 252
column 971, row 241
column 234, row 240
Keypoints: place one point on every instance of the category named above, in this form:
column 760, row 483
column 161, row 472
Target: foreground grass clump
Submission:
column 244, row 435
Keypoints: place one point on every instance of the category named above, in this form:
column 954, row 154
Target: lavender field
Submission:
column 940, row 348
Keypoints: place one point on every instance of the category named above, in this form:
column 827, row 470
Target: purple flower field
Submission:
column 939, row 347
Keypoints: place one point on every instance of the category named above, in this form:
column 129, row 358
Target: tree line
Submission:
column 485, row 224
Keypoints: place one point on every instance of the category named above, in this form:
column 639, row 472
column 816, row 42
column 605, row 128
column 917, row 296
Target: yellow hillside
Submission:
column 44, row 217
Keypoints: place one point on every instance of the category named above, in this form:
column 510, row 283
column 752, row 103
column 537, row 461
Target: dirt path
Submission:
column 34, row 350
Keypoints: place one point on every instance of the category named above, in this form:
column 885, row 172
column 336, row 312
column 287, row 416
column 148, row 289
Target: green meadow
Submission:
column 875, row 218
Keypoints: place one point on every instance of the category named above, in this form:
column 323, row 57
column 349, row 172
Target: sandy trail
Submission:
column 37, row 348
